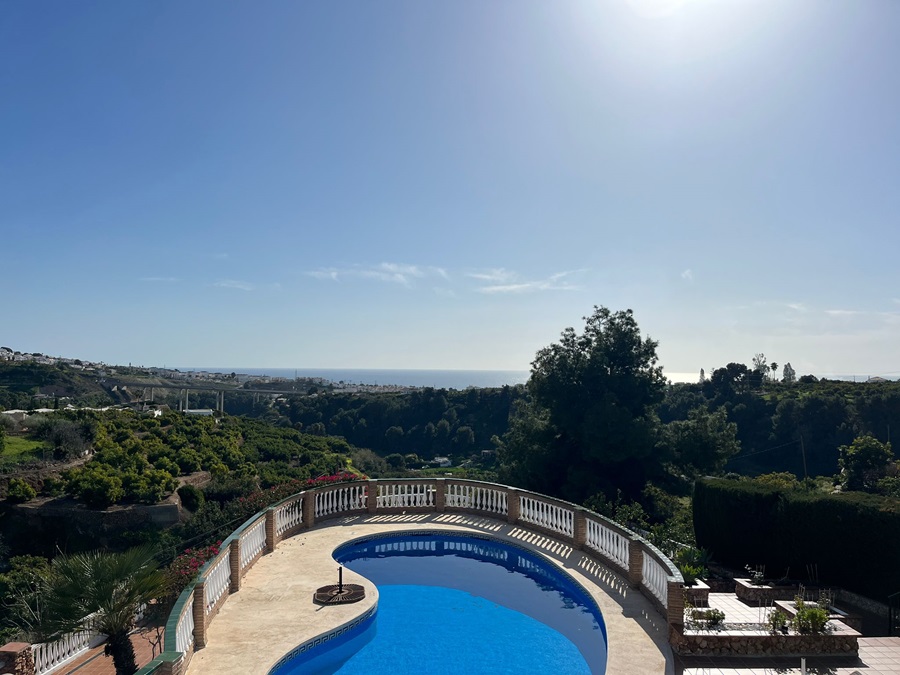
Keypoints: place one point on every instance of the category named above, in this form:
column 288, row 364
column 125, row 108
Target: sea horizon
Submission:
column 407, row 377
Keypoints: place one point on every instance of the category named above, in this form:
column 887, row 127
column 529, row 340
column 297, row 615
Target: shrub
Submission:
column 777, row 621
column 707, row 619
column 20, row 491
column 809, row 619
column 191, row 497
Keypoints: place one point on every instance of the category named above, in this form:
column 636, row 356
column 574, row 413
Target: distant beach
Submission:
column 439, row 379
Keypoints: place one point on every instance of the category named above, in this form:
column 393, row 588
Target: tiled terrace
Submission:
column 877, row 656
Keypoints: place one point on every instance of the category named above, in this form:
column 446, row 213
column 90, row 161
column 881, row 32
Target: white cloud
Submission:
column 497, row 275
column 555, row 282
column 395, row 273
column 233, row 283
column 687, row 275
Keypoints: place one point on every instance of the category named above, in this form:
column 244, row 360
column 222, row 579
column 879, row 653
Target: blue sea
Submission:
column 440, row 379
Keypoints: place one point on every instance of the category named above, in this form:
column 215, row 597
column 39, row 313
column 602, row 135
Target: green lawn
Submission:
column 20, row 448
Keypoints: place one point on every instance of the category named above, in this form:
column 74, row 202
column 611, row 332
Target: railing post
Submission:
column 372, row 497
column 579, row 527
column 512, row 506
column 199, row 610
column 675, row 597
column 440, row 495
column 19, row 657
column 234, row 561
column 635, row 563
column 309, row 509
column 271, row 540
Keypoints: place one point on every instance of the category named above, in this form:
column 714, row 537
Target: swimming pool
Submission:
column 454, row 603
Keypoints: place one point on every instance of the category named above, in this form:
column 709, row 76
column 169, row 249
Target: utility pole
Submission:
column 803, row 451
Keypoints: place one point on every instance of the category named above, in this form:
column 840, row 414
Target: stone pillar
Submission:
column 309, row 509
column 199, row 610
column 579, row 527
column 512, row 506
column 675, row 610
column 17, row 658
column 171, row 667
column 234, row 558
column 271, row 537
column 440, row 495
column 372, row 497
column 635, row 563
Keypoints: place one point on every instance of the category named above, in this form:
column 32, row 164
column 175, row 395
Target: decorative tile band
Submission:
column 319, row 640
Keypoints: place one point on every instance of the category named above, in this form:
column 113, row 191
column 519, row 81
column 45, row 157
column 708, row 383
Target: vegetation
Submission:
column 804, row 530
column 103, row 591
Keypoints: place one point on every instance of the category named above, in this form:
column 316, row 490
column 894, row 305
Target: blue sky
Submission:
column 450, row 184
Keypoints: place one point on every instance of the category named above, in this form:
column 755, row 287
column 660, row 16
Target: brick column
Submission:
column 234, row 559
column 309, row 509
column 372, row 497
column 440, row 495
column 199, row 610
column 18, row 658
column 579, row 527
column 171, row 667
column 635, row 563
column 512, row 506
column 271, row 537
column 675, row 610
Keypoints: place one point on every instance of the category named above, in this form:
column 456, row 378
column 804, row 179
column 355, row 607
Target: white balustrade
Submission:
column 340, row 499
column 606, row 541
column 480, row 550
column 551, row 517
column 477, row 498
column 288, row 516
column 405, row 495
column 404, row 546
column 655, row 578
column 48, row 656
column 252, row 542
column 218, row 580
column 184, row 632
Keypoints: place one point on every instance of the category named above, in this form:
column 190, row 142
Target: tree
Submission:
column 789, row 375
column 774, row 368
column 102, row 591
column 702, row 443
column 2, row 438
column 591, row 423
column 864, row 462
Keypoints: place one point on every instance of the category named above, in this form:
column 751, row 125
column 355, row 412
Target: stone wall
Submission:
column 746, row 643
column 763, row 595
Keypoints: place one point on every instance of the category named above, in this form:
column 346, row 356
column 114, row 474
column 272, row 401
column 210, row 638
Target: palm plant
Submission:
column 101, row 591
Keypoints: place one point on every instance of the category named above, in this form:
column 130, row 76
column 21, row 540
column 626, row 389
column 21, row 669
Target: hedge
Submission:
column 852, row 539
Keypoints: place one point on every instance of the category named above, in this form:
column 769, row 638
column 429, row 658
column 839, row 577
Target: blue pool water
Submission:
column 457, row 604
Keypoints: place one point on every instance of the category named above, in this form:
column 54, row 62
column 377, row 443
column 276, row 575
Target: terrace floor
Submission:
column 273, row 612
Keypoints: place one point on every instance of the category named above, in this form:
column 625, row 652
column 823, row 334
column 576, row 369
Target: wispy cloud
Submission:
column 234, row 283
column 687, row 275
column 394, row 273
column 246, row 285
column 555, row 282
column 843, row 312
column 497, row 275
column 160, row 280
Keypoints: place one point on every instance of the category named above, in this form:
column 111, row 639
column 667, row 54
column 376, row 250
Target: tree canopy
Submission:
column 589, row 424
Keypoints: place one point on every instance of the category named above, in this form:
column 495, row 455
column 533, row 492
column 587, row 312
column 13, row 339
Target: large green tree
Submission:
column 101, row 591
column 589, row 425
